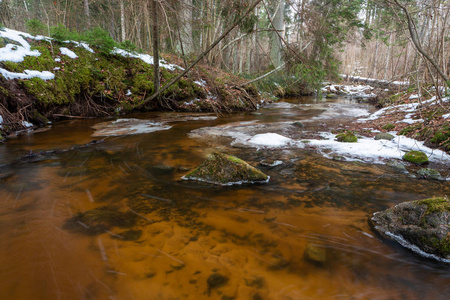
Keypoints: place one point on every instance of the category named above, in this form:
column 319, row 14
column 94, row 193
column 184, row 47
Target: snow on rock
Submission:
column 273, row 140
column 146, row 58
column 68, row 52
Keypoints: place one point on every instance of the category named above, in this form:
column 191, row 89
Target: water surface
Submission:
column 159, row 237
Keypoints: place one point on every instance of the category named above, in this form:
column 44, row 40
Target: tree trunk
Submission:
column 122, row 21
column 186, row 27
column 155, row 37
column 87, row 13
column 276, row 44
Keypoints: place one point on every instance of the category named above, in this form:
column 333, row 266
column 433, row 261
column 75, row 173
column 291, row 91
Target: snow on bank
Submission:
column 369, row 150
column 409, row 108
column 27, row 74
column 376, row 151
column 146, row 58
column 68, row 52
column 17, row 53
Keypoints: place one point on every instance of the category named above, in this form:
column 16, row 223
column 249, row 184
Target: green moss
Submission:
column 407, row 130
column 437, row 204
column 417, row 157
column 4, row 91
column 388, row 126
column 347, row 137
column 226, row 169
column 443, row 134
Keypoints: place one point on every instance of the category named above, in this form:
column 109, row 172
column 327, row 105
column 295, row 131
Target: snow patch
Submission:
column 446, row 116
column 68, row 52
column 200, row 82
column 27, row 74
column 146, row 58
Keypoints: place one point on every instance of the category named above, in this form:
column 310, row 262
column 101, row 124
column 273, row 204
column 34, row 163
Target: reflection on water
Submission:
column 114, row 221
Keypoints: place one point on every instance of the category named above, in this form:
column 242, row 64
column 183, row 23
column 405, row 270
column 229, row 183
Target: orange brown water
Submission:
column 255, row 236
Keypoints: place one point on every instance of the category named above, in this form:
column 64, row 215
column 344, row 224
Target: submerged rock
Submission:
column 417, row 157
column 422, row 226
column 315, row 253
column 226, row 169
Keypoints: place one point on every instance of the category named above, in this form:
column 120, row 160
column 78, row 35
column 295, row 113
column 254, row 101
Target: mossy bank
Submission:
column 101, row 83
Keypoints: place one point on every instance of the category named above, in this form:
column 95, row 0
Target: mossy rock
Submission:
column 417, row 157
column 426, row 173
column 331, row 96
column 226, row 169
column 422, row 226
column 347, row 137
column 384, row 136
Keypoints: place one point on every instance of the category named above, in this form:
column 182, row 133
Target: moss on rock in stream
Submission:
column 226, row 170
column 423, row 223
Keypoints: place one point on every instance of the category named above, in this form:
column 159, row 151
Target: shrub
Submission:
column 35, row 27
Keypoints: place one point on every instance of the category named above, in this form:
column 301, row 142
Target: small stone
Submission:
column 384, row 136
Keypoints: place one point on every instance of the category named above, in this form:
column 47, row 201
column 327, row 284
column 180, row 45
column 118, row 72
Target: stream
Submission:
column 303, row 235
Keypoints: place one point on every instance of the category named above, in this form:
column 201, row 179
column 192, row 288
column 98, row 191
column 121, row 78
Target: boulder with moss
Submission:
column 347, row 137
column 417, row 157
column 224, row 169
column 384, row 136
column 422, row 226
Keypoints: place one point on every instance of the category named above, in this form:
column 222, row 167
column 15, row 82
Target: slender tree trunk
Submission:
column 87, row 13
column 186, row 27
column 122, row 21
column 276, row 44
column 155, row 37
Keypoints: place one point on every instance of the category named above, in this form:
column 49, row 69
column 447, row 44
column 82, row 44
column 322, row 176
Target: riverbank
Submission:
column 44, row 80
